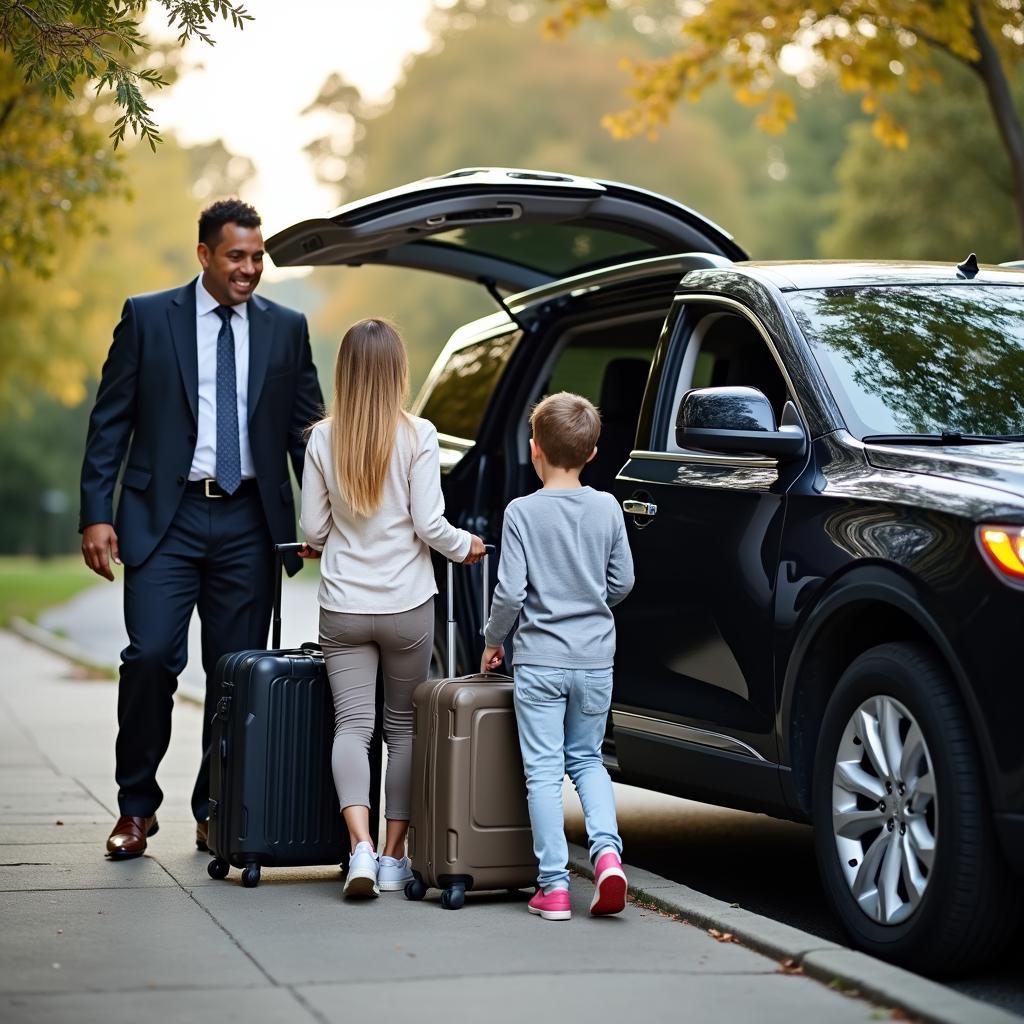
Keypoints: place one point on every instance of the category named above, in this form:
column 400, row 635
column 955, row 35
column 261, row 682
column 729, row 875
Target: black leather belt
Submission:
column 209, row 488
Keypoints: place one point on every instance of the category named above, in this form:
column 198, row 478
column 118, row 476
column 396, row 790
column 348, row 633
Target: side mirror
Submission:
column 738, row 419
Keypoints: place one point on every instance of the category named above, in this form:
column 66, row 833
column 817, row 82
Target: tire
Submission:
column 939, row 912
column 217, row 868
column 251, row 876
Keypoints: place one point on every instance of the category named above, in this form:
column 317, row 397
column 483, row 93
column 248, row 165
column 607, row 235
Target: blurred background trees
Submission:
column 492, row 90
column 880, row 50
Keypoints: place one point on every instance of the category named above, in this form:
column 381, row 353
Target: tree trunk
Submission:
column 993, row 75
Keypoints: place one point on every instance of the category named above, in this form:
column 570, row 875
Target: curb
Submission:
column 70, row 650
column 835, row 965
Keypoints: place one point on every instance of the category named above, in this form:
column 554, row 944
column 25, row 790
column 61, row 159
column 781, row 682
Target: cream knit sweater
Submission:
column 380, row 564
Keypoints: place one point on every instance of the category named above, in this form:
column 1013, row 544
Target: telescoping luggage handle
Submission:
column 281, row 550
column 485, row 605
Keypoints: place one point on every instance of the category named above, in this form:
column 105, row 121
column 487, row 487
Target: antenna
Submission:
column 969, row 267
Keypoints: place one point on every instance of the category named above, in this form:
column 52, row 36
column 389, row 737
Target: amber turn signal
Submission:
column 1004, row 548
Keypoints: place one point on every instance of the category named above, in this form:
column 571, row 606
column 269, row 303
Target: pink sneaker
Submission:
column 552, row 906
column 609, row 886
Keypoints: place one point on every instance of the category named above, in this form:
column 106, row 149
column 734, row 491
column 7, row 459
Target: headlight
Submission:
column 1003, row 547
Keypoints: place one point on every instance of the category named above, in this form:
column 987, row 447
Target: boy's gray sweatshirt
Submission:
column 565, row 562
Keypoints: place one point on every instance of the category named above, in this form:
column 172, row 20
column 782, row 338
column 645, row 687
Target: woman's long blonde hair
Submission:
column 371, row 381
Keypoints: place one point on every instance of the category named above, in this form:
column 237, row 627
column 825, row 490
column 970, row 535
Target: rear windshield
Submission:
column 460, row 392
column 921, row 359
column 555, row 249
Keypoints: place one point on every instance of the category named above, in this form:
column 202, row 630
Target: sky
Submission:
column 250, row 88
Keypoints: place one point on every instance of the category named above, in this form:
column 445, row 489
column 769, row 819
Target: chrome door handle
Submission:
column 639, row 508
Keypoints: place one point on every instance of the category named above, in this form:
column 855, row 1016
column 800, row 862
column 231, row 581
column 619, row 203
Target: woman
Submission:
column 372, row 504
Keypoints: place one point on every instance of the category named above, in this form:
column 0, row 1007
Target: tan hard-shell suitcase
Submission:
column 470, row 826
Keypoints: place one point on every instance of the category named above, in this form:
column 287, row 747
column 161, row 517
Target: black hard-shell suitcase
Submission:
column 470, row 825
column 272, row 796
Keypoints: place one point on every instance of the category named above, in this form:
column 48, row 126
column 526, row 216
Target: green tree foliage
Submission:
column 63, row 44
column 55, row 162
column 53, row 166
column 546, row 114
column 57, row 331
column 949, row 193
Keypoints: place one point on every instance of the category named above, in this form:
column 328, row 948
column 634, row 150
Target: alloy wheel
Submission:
column 884, row 810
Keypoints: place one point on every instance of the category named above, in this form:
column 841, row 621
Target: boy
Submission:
column 564, row 562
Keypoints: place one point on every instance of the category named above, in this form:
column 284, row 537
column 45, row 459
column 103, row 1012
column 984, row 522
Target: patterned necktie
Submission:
column 229, row 457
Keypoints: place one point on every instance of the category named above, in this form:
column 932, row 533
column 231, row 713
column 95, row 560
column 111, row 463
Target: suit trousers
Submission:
column 217, row 556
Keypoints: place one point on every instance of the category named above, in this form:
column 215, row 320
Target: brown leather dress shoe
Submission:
column 202, row 835
column 129, row 836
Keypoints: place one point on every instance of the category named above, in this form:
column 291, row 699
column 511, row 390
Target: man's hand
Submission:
column 307, row 552
column 492, row 658
column 99, row 546
column 477, row 550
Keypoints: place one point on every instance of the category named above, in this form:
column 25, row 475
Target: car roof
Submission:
column 806, row 274
column 785, row 275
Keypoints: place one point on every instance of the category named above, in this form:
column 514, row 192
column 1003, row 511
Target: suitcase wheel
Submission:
column 453, row 898
column 251, row 876
column 217, row 868
column 415, row 890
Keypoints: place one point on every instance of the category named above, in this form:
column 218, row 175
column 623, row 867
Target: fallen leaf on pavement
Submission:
column 722, row 936
column 791, row 967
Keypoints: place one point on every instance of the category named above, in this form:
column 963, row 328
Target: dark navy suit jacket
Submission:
column 147, row 406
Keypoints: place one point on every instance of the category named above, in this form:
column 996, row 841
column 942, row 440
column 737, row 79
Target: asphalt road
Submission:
column 764, row 865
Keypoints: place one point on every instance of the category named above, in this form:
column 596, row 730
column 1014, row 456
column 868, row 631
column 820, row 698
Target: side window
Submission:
column 723, row 349
column 460, row 390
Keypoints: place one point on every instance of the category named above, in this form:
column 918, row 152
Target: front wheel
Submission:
column 903, row 827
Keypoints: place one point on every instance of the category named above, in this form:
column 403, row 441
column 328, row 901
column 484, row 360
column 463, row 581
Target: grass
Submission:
column 28, row 586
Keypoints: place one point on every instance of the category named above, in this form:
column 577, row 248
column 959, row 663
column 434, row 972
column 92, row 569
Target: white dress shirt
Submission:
column 208, row 324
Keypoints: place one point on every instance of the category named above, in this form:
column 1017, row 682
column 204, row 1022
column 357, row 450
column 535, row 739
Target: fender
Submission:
column 881, row 586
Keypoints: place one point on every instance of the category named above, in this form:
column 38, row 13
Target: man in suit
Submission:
column 208, row 389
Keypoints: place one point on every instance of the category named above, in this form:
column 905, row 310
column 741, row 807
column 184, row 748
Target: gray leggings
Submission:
column 352, row 645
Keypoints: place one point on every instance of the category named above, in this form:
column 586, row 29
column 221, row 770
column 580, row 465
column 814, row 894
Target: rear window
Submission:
column 460, row 392
column 555, row 249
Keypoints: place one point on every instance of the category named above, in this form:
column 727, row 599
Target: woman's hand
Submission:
column 476, row 551
column 307, row 552
column 492, row 658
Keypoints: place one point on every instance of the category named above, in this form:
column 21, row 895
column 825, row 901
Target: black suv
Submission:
column 821, row 467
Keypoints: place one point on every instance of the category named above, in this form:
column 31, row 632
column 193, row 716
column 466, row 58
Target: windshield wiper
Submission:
column 946, row 437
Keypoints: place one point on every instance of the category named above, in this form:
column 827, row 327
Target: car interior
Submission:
column 607, row 362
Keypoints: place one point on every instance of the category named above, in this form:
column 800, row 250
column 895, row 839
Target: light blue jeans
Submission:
column 561, row 714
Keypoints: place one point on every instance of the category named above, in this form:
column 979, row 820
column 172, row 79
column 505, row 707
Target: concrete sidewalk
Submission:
column 156, row 939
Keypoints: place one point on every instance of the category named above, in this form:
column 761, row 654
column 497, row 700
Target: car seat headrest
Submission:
column 622, row 388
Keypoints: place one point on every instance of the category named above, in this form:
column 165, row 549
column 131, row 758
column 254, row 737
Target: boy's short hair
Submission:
column 566, row 428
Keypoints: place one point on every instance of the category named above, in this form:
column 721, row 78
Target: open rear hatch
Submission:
column 512, row 229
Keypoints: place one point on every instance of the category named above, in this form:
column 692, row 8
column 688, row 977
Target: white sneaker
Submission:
column 394, row 873
column 361, row 879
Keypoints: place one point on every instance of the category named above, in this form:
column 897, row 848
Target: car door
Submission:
column 694, row 703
